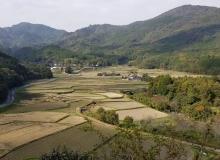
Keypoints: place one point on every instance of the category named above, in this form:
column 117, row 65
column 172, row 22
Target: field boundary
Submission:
column 68, row 127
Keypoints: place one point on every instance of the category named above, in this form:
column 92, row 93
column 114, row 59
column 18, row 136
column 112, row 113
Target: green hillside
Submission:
column 185, row 38
column 29, row 35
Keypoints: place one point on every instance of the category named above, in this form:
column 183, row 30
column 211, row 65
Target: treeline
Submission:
column 203, row 63
column 54, row 54
column 13, row 74
column 194, row 97
column 194, row 61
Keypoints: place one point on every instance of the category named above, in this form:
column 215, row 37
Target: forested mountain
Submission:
column 27, row 34
column 145, row 32
column 13, row 74
column 185, row 38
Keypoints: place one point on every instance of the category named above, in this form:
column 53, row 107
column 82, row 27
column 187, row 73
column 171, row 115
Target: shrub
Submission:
column 110, row 117
column 198, row 112
column 68, row 70
column 146, row 78
column 128, row 122
column 65, row 154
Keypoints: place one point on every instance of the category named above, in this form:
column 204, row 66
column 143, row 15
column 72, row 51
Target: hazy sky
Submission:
column 74, row 14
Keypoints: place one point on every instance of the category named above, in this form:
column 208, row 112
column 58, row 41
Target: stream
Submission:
column 10, row 99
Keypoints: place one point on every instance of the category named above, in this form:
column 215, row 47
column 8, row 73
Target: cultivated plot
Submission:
column 49, row 117
column 141, row 114
column 112, row 95
column 82, row 138
column 24, row 128
column 121, row 105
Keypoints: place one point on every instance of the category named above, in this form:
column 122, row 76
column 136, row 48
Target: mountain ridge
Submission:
column 27, row 34
column 192, row 32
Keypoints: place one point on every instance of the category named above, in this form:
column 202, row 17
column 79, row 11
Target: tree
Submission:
column 160, row 85
column 129, row 145
column 146, row 77
column 128, row 122
column 198, row 111
column 110, row 117
column 68, row 70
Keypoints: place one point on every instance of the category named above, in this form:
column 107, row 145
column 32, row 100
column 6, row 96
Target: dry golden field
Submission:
column 141, row 114
column 44, row 115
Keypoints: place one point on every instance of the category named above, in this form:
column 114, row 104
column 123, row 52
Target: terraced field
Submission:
column 44, row 114
column 23, row 128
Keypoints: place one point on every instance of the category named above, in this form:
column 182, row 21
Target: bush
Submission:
column 128, row 122
column 198, row 112
column 68, row 70
column 146, row 78
column 160, row 85
column 57, row 154
column 110, row 117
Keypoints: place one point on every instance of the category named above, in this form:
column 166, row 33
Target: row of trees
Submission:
column 195, row 63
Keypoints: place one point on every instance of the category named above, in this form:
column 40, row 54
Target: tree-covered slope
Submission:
column 185, row 38
column 188, row 31
column 13, row 74
column 144, row 32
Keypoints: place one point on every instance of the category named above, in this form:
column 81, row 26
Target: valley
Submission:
column 122, row 90
column 185, row 39
column 47, row 114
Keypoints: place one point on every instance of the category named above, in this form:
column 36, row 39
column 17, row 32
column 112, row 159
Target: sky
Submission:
column 71, row 15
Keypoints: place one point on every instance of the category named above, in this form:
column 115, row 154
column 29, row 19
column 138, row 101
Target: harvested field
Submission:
column 112, row 95
column 13, row 126
column 141, row 114
column 18, row 137
column 72, row 107
column 117, row 100
column 37, row 106
column 121, row 105
column 73, row 120
column 83, row 95
column 63, row 95
column 58, row 91
column 20, row 132
column 49, row 117
column 46, row 105
column 81, row 138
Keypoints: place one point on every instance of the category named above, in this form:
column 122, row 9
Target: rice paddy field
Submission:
column 44, row 114
column 141, row 114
